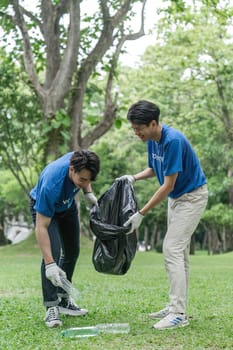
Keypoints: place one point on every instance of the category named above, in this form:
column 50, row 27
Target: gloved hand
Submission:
column 130, row 178
column 54, row 273
column 135, row 221
column 90, row 199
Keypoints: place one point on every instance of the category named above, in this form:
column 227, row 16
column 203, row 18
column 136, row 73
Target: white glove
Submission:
column 135, row 221
column 54, row 273
column 130, row 178
column 90, row 199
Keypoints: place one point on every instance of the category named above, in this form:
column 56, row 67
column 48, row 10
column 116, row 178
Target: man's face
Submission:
column 81, row 179
column 145, row 132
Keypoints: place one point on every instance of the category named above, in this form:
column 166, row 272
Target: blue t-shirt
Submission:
column 174, row 154
column 54, row 191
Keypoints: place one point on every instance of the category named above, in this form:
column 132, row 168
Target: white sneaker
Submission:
column 52, row 318
column 172, row 321
column 160, row 314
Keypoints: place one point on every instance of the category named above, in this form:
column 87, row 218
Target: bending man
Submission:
column 55, row 216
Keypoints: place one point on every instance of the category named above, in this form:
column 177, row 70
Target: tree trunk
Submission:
column 146, row 238
column 192, row 245
column 214, row 244
column 204, row 243
column 154, row 238
column 230, row 190
column 3, row 240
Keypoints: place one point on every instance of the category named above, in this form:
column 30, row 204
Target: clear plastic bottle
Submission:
column 69, row 288
column 113, row 328
column 105, row 328
column 79, row 332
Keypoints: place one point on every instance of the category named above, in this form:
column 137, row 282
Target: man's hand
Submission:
column 54, row 274
column 90, row 199
column 135, row 221
column 130, row 178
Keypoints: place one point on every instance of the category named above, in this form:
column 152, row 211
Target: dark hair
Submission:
column 143, row 112
column 85, row 159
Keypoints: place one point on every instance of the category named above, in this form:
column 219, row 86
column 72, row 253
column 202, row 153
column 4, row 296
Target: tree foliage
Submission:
column 188, row 72
column 20, row 119
column 62, row 47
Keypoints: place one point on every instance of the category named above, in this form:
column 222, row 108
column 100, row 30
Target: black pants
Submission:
column 64, row 234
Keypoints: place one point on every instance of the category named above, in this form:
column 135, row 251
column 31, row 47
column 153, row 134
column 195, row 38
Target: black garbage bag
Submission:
column 114, row 249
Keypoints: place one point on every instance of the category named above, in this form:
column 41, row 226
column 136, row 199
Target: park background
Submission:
column 65, row 84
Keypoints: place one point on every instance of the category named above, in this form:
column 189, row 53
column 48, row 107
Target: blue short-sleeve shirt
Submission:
column 174, row 154
column 54, row 191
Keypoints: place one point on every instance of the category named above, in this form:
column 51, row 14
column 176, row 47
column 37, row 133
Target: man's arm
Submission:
column 145, row 174
column 42, row 224
column 161, row 193
column 169, row 182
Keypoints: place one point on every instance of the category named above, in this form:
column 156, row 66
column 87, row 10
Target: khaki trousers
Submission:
column 184, row 214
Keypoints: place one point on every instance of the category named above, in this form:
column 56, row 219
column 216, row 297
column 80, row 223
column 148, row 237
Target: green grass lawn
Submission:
column 113, row 299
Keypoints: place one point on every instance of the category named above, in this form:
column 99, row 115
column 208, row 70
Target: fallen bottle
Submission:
column 105, row 328
column 79, row 332
column 113, row 328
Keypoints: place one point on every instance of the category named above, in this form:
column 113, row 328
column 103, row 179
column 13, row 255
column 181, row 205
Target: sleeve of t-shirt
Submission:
column 173, row 157
column 45, row 202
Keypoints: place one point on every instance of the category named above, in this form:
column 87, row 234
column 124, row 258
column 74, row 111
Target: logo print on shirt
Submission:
column 159, row 158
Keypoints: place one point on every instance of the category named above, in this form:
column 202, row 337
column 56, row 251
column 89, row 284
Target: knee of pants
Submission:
column 168, row 251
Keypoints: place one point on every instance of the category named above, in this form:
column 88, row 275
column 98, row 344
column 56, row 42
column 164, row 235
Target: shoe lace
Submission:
column 71, row 302
column 52, row 313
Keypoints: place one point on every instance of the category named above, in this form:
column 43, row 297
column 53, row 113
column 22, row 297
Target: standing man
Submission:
column 172, row 159
column 55, row 216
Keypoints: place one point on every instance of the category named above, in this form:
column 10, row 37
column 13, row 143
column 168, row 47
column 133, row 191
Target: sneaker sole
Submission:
column 65, row 311
column 184, row 324
column 54, row 324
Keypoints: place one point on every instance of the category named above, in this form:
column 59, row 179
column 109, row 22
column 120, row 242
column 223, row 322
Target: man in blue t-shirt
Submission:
column 55, row 216
column 172, row 159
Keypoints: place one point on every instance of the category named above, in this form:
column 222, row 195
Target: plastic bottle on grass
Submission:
column 80, row 332
column 113, row 328
column 103, row 328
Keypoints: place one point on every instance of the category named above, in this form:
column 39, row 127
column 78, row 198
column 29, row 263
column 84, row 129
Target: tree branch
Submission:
column 62, row 7
column 28, row 56
column 59, row 84
column 68, row 63
column 32, row 17
column 110, row 105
